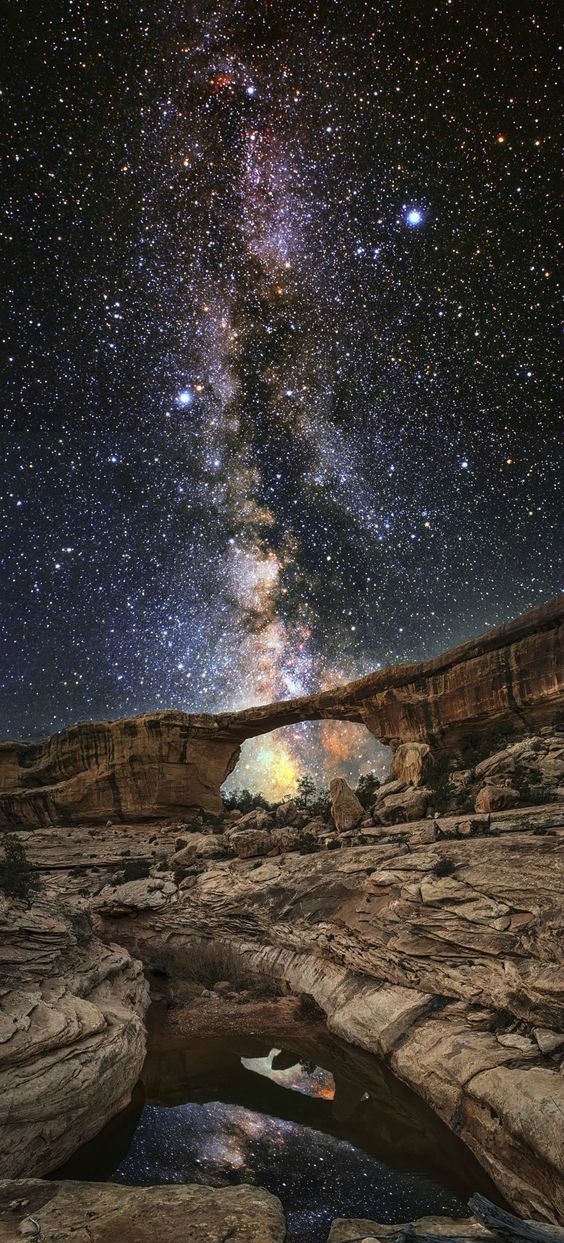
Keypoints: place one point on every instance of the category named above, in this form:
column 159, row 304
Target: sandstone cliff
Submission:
column 161, row 764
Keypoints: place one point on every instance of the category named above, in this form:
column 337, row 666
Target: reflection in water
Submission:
column 317, row 1177
column 299, row 1076
column 346, row 1140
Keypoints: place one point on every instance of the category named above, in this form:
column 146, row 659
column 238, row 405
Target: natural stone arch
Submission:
column 271, row 763
column 162, row 764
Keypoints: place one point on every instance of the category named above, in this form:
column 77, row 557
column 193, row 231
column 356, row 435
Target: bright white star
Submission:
column 185, row 397
column 414, row 216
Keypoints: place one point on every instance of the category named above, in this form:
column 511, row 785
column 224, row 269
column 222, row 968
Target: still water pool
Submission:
column 330, row 1132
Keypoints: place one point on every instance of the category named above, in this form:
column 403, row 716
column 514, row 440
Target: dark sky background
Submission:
column 280, row 343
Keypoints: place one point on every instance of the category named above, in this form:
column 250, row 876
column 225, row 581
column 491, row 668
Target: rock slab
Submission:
column 73, row 1212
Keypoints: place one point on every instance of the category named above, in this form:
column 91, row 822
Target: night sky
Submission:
column 280, row 349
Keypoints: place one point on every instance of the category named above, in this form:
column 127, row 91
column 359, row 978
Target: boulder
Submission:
column 548, row 1041
column 412, row 762
column 409, row 804
column 287, row 838
column 346, row 809
column 391, row 787
column 500, row 763
column 496, row 798
column 425, row 835
column 551, row 766
column 287, row 813
column 251, row 842
column 256, row 819
column 255, row 842
column 202, row 846
column 100, row 1212
column 149, row 894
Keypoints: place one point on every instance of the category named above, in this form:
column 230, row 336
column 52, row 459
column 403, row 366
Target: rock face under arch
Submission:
column 162, row 764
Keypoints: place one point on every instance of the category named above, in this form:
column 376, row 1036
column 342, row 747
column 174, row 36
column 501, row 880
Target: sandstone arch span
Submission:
column 162, row 764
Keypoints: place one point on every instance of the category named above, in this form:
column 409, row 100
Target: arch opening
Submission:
column 271, row 764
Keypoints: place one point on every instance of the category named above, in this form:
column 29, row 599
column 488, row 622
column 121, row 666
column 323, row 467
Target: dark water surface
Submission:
column 333, row 1135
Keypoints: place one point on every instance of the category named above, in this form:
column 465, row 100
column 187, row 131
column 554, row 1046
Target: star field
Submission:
column 280, row 349
column 317, row 1177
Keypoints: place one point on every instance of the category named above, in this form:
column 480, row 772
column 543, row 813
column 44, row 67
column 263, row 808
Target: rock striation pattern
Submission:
column 72, row 1039
column 161, row 764
column 440, row 956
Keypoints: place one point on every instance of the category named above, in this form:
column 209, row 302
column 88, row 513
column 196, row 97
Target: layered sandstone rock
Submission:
column 346, row 810
column 147, row 766
column 451, row 1229
column 72, row 1040
column 444, row 959
column 162, row 764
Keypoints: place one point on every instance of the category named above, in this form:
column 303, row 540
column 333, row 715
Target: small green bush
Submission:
column 366, row 789
column 444, row 867
column 135, row 869
column 310, row 799
column 243, row 800
column 477, row 746
column 442, row 788
column 306, row 792
column 17, row 879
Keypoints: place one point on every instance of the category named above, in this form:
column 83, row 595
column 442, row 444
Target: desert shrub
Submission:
column 243, row 800
column 478, row 746
column 208, row 962
column 306, row 791
column 442, row 788
column 135, row 869
column 181, row 873
column 17, row 879
column 321, row 806
column 310, row 798
column 211, row 961
column 366, row 789
column 308, row 844
column 444, row 867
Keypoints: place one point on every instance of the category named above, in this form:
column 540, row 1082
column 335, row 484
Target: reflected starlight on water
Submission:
column 316, row 1176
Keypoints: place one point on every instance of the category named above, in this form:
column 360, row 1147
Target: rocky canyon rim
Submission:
column 435, row 946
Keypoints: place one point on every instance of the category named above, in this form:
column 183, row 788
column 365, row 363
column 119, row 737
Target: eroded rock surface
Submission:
column 346, row 811
column 444, row 958
column 72, row 1039
column 359, row 1228
column 102, row 1213
column 161, row 764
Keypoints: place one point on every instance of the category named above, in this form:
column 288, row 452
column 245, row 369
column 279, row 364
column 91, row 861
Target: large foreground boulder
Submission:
column 410, row 804
column 102, row 1213
column 496, row 798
